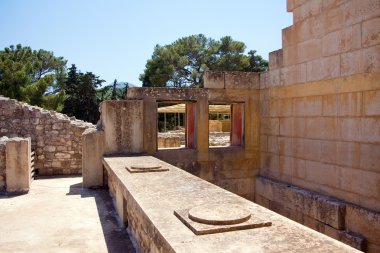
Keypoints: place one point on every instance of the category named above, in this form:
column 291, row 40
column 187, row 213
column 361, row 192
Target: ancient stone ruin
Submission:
column 303, row 140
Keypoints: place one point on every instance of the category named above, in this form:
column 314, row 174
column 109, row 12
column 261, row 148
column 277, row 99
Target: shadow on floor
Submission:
column 116, row 237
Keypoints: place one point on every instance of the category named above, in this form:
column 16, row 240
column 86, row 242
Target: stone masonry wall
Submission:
column 320, row 107
column 56, row 138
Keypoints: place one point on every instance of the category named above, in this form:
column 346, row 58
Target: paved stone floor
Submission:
column 57, row 215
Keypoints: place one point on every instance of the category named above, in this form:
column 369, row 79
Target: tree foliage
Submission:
column 114, row 91
column 27, row 75
column 81, row 100
column 184, row 62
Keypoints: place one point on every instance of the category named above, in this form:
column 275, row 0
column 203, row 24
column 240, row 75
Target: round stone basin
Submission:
column 219, row 214
column 145, row 166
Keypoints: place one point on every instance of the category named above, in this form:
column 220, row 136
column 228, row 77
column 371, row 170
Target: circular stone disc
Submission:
column 146, row 166
column 219, row 214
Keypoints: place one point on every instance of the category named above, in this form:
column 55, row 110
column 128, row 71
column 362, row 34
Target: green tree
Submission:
column 81, row 100
column 184, row 62
column 32, row 76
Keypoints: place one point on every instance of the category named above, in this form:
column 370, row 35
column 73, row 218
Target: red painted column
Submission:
column 190, row 125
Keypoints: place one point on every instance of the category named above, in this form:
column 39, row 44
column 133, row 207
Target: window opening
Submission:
column 226, row 124
column 175, row 125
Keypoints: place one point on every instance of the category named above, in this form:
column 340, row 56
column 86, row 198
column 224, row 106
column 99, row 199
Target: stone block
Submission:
column 264, row 78
column 371, row 32
column 307, row 149
column 330, row 105
column 286, row 168
column 122, row 122
column 18, row 165
column 370, row 59
column 333, row 19
column 270, row 126
column 121, row 206
column 293, row 74
column 307, row 106
column 350, row 129
column 214, row 79
column 275, row 59
column 370, row 130
column 272, row 144
column 307, row 29
column 323, row 174
column 306, row 10
column 343, row 40
column 328, row 4
column 329, row 151
column 274, row 78
column 285, row 146
column 92, row 153
column 299, row 200
column 309, row 50
column 280, row 107
column 350, row 104
column 361, row 182
column 357, row 11
column 364, row 222
column 348, row 154
column 289, row 36
column 323, row 128
column 241, row 80
column 269, row 163
column 262, row 201
column 323, row 68
column 290, row 55
column 295, row 127
column 371, row 103
column 299, row 169
column 370, row 157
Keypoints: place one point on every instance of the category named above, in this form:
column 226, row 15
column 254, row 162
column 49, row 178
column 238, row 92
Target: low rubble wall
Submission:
column 55, row 138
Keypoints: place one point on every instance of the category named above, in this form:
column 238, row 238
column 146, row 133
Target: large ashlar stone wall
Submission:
column 55, row 138
column 320, row 110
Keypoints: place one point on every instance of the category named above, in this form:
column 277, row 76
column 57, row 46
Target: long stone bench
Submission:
column 155, row 205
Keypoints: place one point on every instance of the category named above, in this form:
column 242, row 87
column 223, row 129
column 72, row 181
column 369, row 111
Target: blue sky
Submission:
column 115, row 38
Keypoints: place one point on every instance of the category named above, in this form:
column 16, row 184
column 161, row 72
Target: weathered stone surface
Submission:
column 363, row 221
column 50, row 133
column 241, row 80
column 18, row 165
column 92, row 151
column 122, row 122
column 314, row 205
column 214, row 80
column 156, row 229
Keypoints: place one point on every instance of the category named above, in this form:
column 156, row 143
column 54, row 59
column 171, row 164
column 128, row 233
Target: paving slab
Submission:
column 57, row 215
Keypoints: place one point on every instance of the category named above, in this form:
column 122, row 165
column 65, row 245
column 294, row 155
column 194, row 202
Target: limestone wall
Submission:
column 320, row 105
column 55, row 138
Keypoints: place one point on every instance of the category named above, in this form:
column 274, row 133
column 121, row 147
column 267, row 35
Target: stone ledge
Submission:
column 358, row 227
column 322, row 208
column 147, row 203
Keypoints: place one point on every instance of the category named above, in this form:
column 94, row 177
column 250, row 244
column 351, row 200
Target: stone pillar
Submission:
column 18, row 165
column 122, row 122
column 92, row 154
